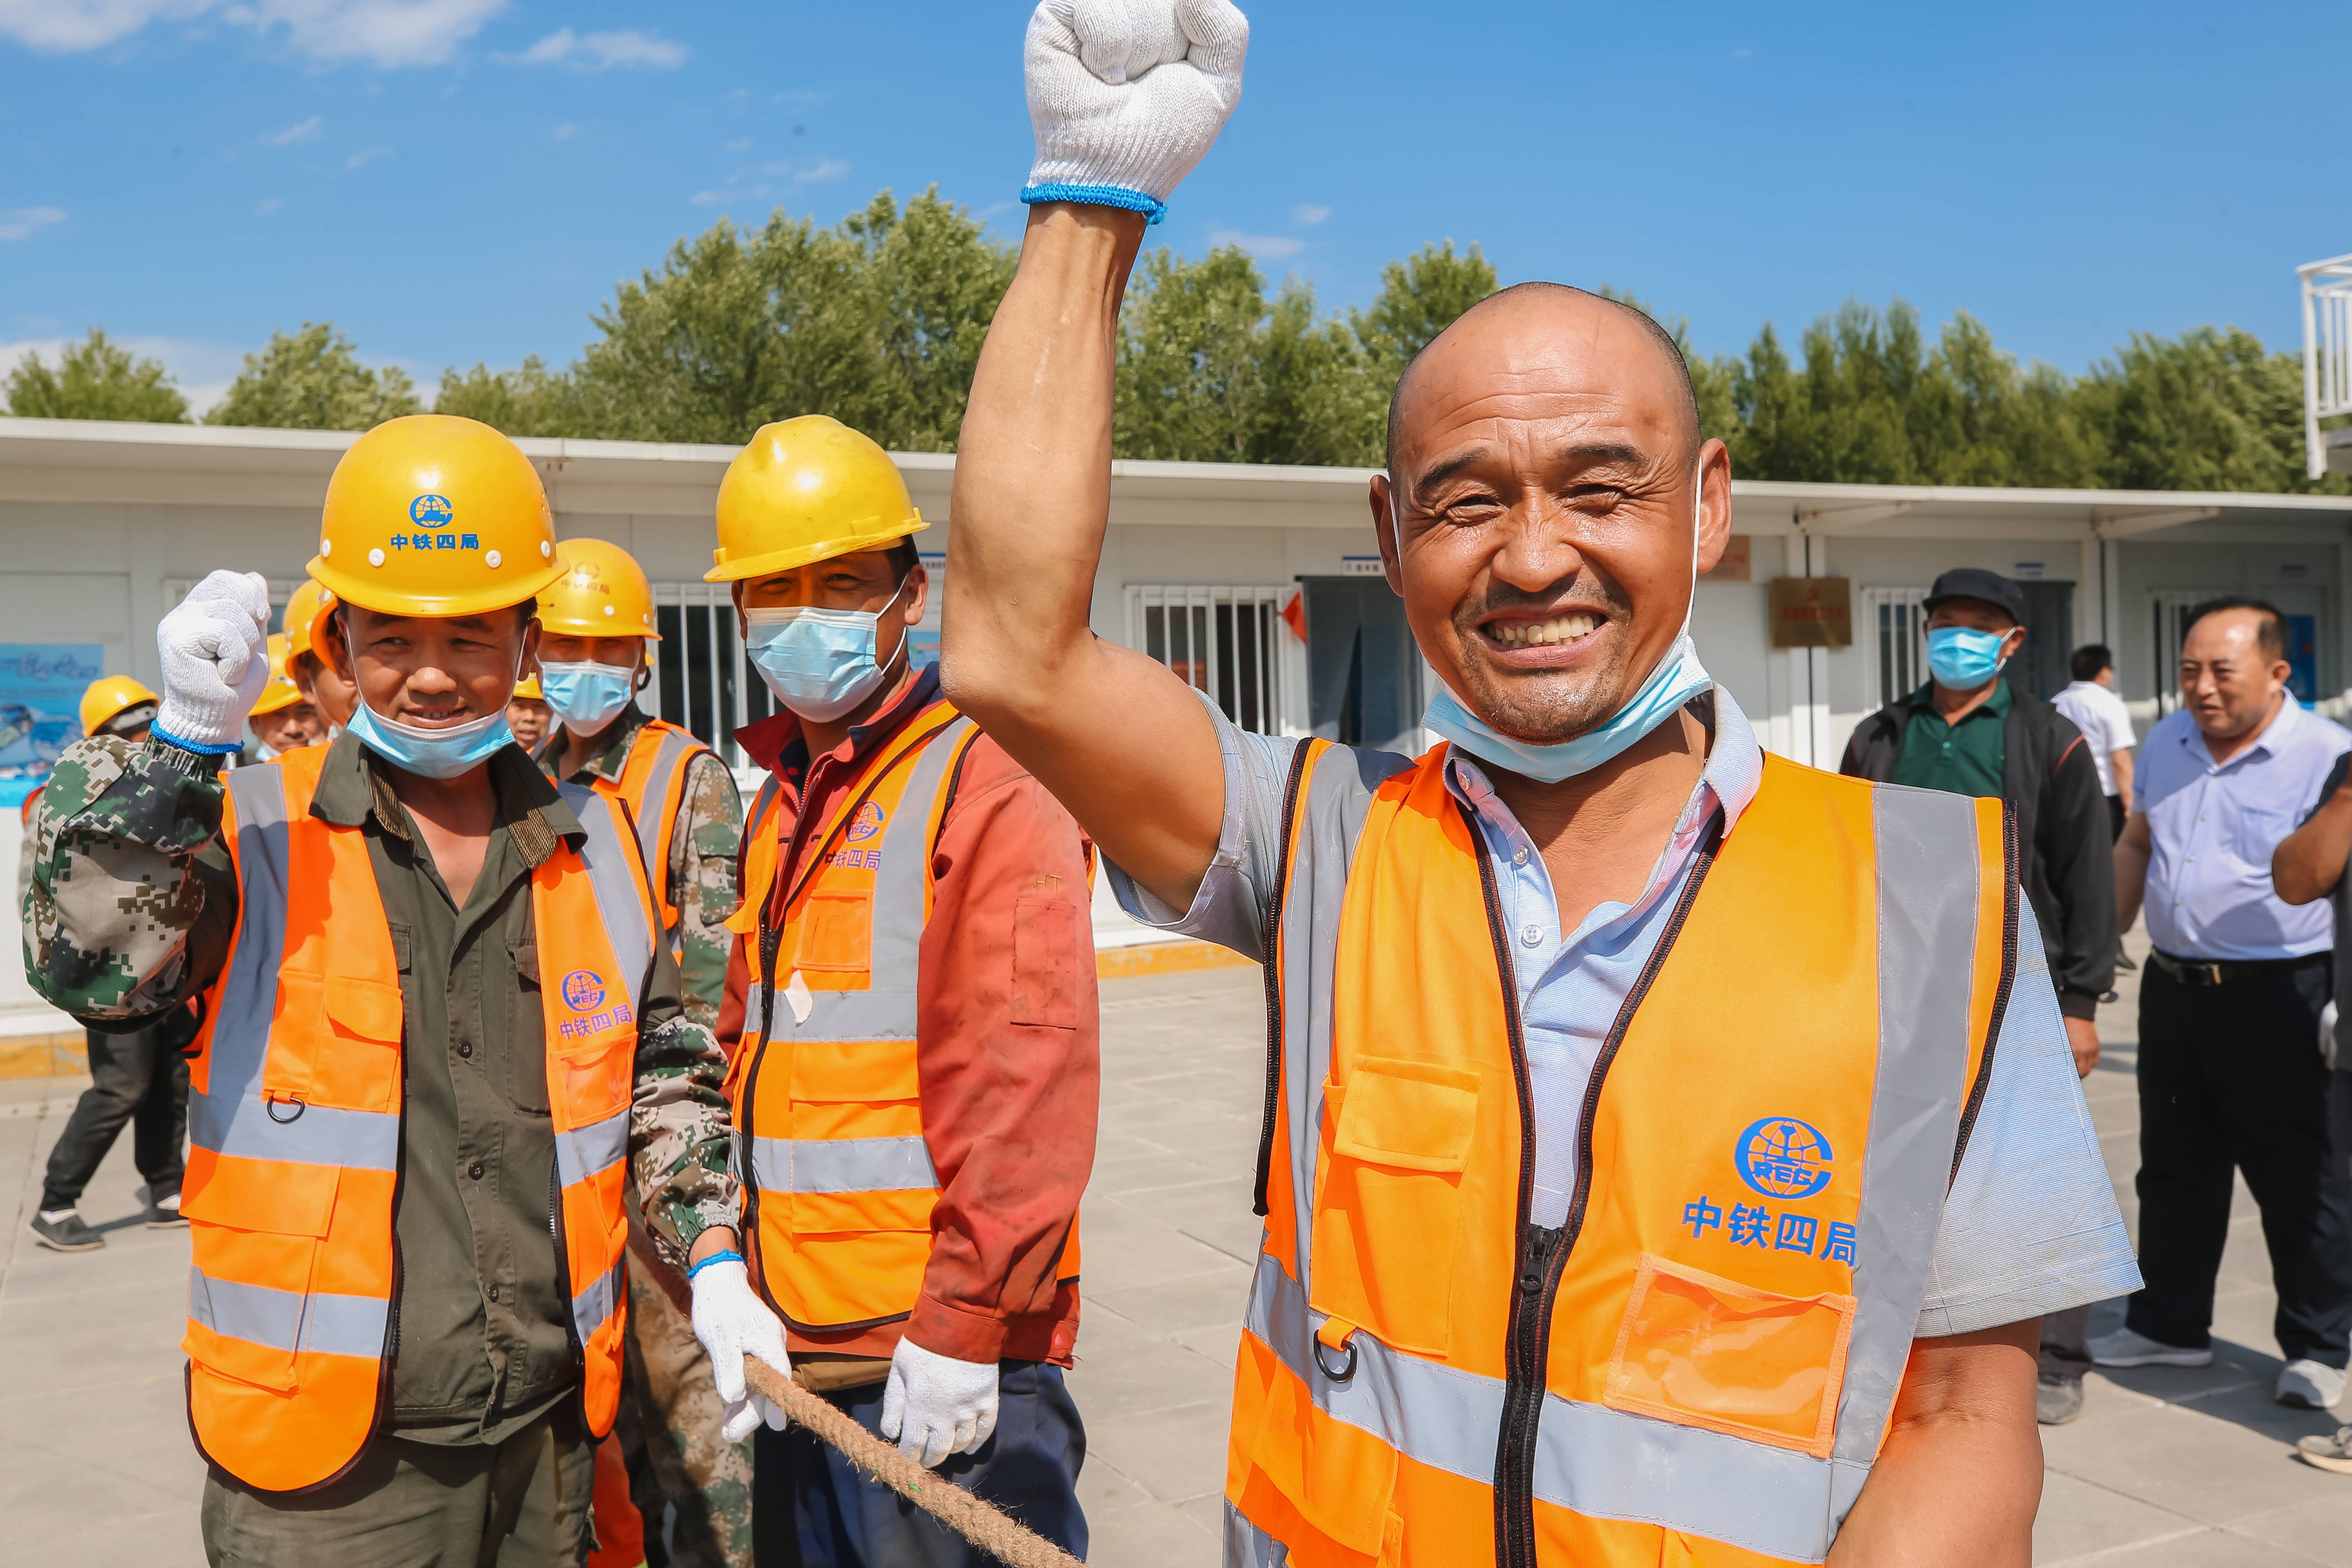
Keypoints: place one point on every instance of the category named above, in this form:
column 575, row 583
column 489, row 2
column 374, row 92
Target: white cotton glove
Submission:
column 935, row 1405
column 215, row 648
column 732, row 1322
column 1127, row 95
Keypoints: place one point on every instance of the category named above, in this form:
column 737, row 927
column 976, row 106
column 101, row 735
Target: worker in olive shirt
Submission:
column 446, row 1351
column 1968, row 731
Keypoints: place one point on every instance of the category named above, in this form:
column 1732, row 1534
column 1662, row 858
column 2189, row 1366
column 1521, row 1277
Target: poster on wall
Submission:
column 40, row 708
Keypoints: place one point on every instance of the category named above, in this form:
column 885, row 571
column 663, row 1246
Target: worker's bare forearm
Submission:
column 2309, row 862
column 2133, row 851
column 1114, row 735
column 2121, row 760
column 1960, row 1477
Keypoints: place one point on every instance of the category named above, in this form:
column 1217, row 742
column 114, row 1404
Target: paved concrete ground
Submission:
column 2167, row 1468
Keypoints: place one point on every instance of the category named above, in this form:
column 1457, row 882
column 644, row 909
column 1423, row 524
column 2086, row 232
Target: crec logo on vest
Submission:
column 866, row 823
column 583, row 990
column 1783, row 1157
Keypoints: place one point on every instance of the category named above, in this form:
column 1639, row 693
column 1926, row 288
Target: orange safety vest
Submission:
column 1697, row 1367
column 652, row 783
column 294, row 1126
column 838, row 1180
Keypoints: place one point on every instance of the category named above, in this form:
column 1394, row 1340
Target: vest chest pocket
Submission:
column 836, row 934
column 1702, row 1350
column 1389, row 1199
column 336, row 1042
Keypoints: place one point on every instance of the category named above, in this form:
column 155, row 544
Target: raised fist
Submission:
column 216, row 650
column 1127, row 95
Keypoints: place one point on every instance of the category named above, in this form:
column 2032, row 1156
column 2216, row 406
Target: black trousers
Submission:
column 140, row 1080
column 2229, row 1077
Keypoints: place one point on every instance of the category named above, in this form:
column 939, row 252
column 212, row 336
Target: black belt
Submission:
column 2205, row 972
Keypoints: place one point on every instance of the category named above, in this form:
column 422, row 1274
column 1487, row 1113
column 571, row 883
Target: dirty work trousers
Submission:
column 813, row 1509
column 138, row 1081
column 2230, row 1077
column 522, row 1503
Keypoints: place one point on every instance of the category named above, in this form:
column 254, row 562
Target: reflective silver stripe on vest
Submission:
column 227, row 1116
column 585, row 1151
column 1598, row 1462
column 593, row 1306
column 885, row 1009
column 652, row 843
column 1247, row 1546
column 607, row 854
column 755, row 994
column 842, row 1164
column 320, row 1324
column 1339, row 797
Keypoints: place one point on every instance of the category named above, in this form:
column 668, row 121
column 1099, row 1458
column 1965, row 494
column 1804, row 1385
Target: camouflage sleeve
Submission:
column 678, row 1130
column 130, row 903
column 702, row 848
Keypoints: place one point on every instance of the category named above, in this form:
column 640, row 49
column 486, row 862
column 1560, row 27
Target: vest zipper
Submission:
column 1272, row 942
column 1542, row 1253
column 771, row 941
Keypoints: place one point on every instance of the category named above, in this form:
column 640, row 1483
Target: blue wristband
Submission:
column 725, row 1257
column 199, row 747
column 1153, row 210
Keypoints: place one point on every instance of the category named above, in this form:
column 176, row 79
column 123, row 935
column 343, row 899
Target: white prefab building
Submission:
column 1260, row 585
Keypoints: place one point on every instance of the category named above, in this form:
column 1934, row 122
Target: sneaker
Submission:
column 2330, row 1453
column 2057, row 1401
column 61, row 1230
column 164, row 1214
column 2309, row 1386
column 2127, row 1348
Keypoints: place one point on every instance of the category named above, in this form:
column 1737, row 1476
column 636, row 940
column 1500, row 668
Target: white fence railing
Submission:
column 2326, row 351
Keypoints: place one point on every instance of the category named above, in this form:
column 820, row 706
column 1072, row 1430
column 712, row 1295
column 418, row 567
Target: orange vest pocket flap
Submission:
column 868, row 1071
column 274, row 1196
column 836, row 932
column 366, row 1008
column 595, row 1081
column 1414, row 1116
column 1702, row 1350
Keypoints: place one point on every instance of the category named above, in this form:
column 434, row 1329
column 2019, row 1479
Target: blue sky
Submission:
column 452, row 181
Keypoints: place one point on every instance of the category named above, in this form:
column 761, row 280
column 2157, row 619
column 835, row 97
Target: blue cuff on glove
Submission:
column 199, row 747
column 1098, row 196
column 721, row 1257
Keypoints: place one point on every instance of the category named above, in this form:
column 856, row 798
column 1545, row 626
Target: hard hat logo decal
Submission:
column 866, row 823
column 1783, row 1157
column 432, row 511
column 583, row 990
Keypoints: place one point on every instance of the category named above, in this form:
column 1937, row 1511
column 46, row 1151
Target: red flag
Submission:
column 1294, row 614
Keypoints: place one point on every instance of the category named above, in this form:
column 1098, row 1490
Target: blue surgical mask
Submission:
column 1962, row 658
column 819, row 663
column 431, row 754
column 586, row 696
column 1678, row 677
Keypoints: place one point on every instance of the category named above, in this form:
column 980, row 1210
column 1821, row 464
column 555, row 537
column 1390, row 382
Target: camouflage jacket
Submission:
column 703, row 847
column 131, row 905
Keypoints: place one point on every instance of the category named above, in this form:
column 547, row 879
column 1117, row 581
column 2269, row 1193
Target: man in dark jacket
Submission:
column 1969, row 732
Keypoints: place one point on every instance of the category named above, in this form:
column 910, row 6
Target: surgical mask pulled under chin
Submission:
column 1678, row 677
column 586, row 696
column 431, row 754
column 819, row 663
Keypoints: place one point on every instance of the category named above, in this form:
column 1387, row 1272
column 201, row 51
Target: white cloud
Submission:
column 308, row 131
column 266, row 206
column 382, row 32
column 67, row 26
column 22, row 223
column 599, row 51
column 709, row 199
column 740, row 145
column 1264, row 247
column 366, row 155
column 1307, row 216
column 831, row 169
column 566, row 132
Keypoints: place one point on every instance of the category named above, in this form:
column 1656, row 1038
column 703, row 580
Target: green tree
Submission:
column 876, row 321
column 95, row 379
column 2209, row 410
column 1420, row 297
column 532, row 401
column 313, row 380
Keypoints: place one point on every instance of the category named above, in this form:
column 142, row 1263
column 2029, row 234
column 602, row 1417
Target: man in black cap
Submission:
column 1969, row 732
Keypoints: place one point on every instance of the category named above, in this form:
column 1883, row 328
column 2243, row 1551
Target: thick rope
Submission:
column 977, row 1521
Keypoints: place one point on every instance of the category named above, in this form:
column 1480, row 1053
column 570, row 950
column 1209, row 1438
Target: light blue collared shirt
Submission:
column 2030, row 1224
column 2212, row 828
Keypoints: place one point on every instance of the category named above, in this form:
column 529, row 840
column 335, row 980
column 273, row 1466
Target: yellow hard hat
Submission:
column 307, row 609
column 528, row 687
column 108, row 698
column 602, row 593
column 807, row 489
column 434, row 515
column 281, row 691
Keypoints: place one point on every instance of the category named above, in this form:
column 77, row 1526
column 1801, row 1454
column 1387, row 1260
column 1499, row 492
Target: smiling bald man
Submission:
column 1646, row 1114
